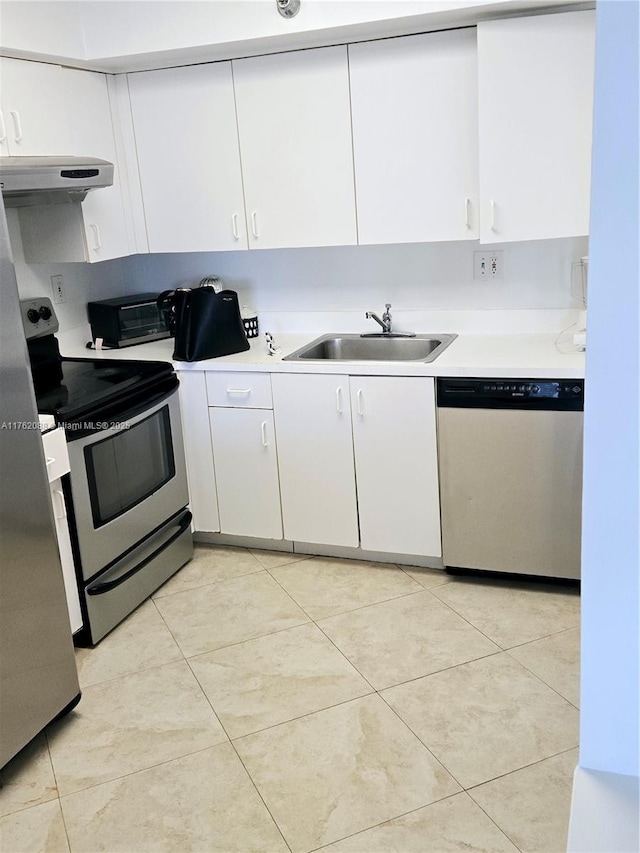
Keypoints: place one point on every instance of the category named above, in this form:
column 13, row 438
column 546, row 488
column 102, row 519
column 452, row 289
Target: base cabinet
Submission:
column 394, row 440
column 332, row 460
column 315, row 455
column 201, row 474
column 246, row 464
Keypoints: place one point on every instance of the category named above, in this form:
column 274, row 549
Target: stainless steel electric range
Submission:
column 127, row 489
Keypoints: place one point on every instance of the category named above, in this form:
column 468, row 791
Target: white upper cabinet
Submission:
column 187, row 145
column 294, row 124
column 535, row 118
column 33, row 110
column 415, row 137
column 91, row 131
column 50, row 110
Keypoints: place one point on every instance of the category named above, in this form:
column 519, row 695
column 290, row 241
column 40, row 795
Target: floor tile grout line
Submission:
column 494, row 822
column 155, row 597
column 259, row 793
column 248, row 640
column 470, row 790
column 431, row 753
column 503, row 648
column 353, row 609
column 63, row 797
column 518, row 769
column 545, row 637
column 388, row 820
column 406, row 568
column 550, row 686
column 305, row 715
column 468, row 621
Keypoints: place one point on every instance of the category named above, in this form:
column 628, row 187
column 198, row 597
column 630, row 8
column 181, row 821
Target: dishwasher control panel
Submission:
column 551, row 394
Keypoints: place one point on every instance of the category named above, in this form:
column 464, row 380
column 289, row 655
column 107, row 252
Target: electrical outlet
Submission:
column 487, row 266
column 59, row 293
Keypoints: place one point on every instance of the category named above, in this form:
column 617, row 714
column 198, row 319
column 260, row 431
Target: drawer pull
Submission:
column 238, row 390
column 62, row 513
column 17, row 125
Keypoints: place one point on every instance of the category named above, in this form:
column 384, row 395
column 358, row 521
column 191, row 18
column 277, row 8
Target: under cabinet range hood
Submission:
column 27, row 181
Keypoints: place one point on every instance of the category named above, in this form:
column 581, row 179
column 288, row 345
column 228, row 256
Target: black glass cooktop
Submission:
column 78, row 386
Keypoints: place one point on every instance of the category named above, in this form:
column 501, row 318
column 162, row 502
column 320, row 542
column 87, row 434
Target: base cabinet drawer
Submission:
column 241, row 390
column 246, row 465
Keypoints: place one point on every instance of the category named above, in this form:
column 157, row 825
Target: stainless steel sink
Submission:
column 381, row 347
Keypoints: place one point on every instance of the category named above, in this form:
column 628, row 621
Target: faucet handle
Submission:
column 387, row 305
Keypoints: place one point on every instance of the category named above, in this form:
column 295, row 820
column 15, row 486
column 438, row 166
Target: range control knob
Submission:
column 45, row 312
column 33, row 316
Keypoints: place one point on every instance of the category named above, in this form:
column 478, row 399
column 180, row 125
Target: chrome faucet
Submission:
column 386, row 319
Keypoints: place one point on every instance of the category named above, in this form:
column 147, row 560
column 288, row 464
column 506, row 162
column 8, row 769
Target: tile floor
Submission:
column 271, row 702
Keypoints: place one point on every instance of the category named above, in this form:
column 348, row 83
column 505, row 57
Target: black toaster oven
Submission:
column 127, row 320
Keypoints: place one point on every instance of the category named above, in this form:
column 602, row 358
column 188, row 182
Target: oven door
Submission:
column 127, row 478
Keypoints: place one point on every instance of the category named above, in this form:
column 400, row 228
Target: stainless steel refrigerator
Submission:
column 38, row 677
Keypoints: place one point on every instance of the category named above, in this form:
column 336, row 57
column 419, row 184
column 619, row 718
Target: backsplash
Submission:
column 416, row 277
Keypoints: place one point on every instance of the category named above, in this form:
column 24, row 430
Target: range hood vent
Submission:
column 28, row 181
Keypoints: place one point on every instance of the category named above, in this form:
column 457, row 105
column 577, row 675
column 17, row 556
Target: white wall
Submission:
column 605, row 811
column 413, row 277
column 610, row 719
column 127, row 35
column 41, row 27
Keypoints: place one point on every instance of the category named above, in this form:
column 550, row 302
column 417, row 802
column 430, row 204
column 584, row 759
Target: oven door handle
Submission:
column 100, row 418
column 107, row 586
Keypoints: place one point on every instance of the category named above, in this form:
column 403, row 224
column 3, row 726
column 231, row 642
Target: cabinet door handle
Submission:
column 263, row 430
column 254, row 224
column 339, row 399
column 234, row 223
column 50, row 460
column 17, row 125
column 3, row 129
column 359, row 402
column 492, row 205
column 96, row 236
column 62, row 514
column 467, row 206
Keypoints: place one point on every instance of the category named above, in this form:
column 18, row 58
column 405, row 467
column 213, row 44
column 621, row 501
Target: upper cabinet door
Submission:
column 415, row 137
column 294, row 123
column 34, row 109
column 91, row 132
column 536, row 102
column 187, row 143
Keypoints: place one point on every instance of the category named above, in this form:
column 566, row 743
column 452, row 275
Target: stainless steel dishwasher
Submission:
column 510, row 463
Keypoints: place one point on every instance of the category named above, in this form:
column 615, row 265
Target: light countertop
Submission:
column 523, row 355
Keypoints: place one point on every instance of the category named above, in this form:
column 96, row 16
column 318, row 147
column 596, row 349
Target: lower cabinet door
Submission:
column 66, row 555
column 315, row 454
column 394, row 437
column 246, row 470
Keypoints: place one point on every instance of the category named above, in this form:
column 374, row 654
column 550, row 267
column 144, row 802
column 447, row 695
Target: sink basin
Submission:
column 372, row 348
